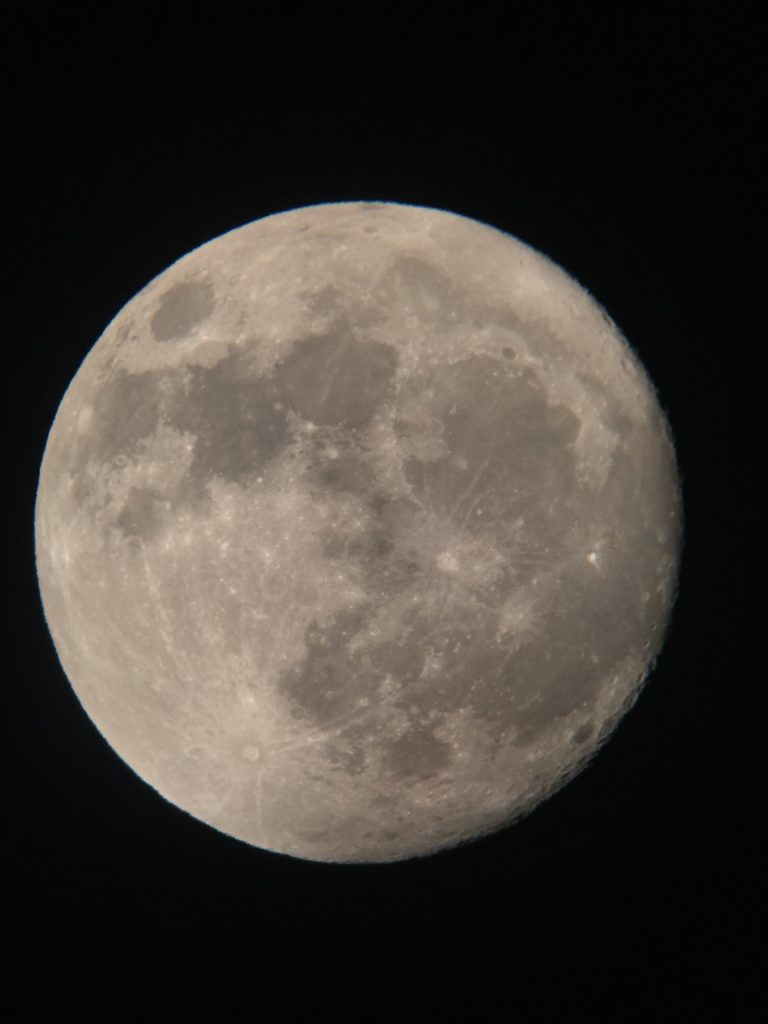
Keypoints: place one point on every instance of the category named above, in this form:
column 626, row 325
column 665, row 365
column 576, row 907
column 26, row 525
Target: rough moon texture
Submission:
column 357, row 531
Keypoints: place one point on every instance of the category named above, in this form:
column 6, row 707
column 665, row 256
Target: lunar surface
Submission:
column 357, row 531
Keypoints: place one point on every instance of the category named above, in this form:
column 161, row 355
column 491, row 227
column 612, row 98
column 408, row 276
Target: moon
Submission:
column 357, row 531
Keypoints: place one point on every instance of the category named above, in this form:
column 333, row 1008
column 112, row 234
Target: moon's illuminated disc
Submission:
column 357, row 531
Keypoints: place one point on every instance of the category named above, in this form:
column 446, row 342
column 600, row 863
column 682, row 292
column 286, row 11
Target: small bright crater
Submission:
column 447, row 561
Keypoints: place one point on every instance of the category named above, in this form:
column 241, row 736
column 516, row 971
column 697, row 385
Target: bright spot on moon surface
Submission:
column 357, row 531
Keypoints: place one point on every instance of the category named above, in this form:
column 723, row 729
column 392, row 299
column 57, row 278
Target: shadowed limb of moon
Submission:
column 357, row 531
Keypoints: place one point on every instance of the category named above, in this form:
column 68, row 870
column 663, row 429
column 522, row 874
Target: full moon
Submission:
column 357, row 531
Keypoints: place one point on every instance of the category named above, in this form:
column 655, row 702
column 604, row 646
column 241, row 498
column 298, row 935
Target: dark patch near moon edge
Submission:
column 142, row 514
column 181, row 309
column 583, row 733
column 445, row 301
column 126, row 410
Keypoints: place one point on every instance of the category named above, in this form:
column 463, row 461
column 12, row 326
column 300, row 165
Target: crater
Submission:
column 583, row 733
column 181, row 309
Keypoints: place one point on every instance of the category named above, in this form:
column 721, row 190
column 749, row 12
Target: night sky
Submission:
column 624, row 148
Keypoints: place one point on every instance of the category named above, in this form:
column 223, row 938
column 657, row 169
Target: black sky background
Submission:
column 624, row 146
